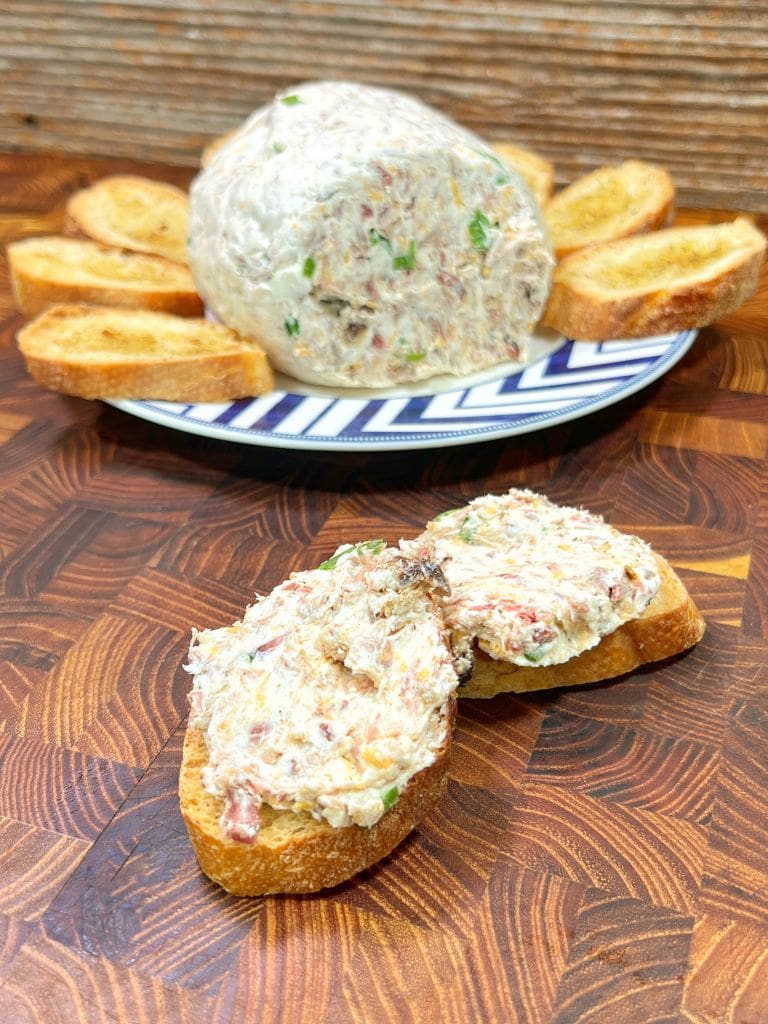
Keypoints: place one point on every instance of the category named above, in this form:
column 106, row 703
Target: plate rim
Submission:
column 683, row 340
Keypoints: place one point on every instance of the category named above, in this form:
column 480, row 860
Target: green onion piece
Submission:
column 406, row 261
column 534, row 656
column 410, row 356
column 278, row 147
column 290, row 101
column 369, row 545
column 309, row 267
column 389, row 799
column 442, row 515
column 292, row 327
column 467, row 530
column 503, row 179
column 376, row 238
column 479, row 231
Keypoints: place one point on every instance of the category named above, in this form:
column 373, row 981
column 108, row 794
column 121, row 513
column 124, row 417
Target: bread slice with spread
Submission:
column 543, row 595
column 320, row 724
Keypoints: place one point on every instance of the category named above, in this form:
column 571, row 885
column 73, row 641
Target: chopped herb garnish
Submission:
column 246, row 657
column 479, row 231
column 503, row 179
column 292, row 327
column 309, row 267
column 406, row 261
column 376, row 238
column 467, row 530
column 290, row 101
column 410, row 356
column 278, row 147
column 389, row 799
column 534, row 656
column 442, row 515
column 369, row 545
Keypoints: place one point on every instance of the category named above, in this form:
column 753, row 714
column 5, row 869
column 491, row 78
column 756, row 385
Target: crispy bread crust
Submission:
column 112, row 365
column 295, row 853
column 609, row 203
column 670, row 624
column 91, row 213
column 158, row 283
column 581, row 306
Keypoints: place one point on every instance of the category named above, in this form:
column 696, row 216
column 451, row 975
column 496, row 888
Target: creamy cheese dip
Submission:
column 365, row 239
column 535, row 583
column 329, row 695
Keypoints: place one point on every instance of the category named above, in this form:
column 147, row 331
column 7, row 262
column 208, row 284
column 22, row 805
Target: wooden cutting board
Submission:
column 601, row 853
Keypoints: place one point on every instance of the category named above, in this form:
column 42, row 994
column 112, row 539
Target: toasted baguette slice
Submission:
column 97, row 352
column 669, row 625
column 132, row 213
column 536, row 170
column 651, row 284
column 295, row 852
column 47, row 271
column 611, row 202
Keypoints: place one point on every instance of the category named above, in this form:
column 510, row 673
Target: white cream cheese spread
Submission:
column 365, row 239
column 330, row 693
column 532, row 582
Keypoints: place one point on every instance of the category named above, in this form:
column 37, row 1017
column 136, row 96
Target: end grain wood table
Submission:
column 601, row 854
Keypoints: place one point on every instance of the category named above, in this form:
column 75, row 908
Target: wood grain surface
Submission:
column 600, row 855
column 681, row 82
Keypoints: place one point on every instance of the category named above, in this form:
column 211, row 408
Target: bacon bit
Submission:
column 195, row 699
column 325, row 729
column 370, row 287
column 543, row 635
column 270, row 645
column 295, row 585
column 362, row 682
column 377, row 341
column 452, row 282
column 366, row 211
column 386, row 178
column 616, row 592
column 259, row 731
column 240, row 820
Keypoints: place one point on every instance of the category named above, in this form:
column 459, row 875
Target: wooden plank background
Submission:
column 682, row 82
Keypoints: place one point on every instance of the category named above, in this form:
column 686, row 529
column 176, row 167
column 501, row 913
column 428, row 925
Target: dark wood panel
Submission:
column 681, row 83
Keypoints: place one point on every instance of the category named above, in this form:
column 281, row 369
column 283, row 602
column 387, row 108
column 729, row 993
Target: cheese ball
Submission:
column 366, row 240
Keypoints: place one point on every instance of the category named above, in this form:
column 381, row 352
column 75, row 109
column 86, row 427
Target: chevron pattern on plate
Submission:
column 577, row 378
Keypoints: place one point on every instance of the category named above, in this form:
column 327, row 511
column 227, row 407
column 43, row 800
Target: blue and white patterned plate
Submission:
column 564, row 380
